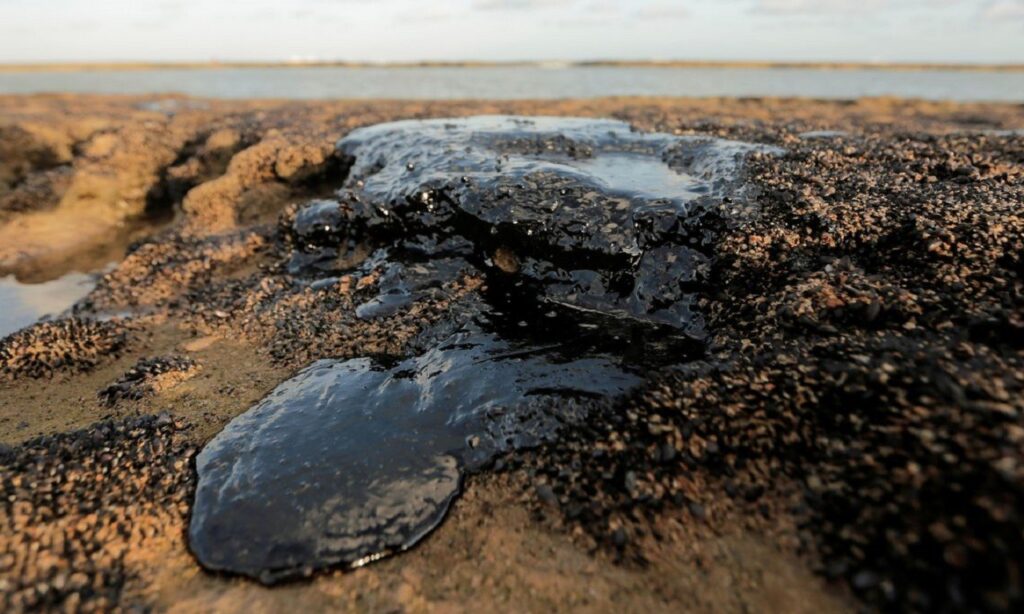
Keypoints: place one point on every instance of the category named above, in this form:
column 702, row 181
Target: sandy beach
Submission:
column 849, row 434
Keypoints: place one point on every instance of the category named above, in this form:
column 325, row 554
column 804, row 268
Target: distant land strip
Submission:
column 138, row 66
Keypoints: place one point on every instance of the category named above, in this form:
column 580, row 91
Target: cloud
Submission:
column 817, row 6
column 593, row 12
column 991, row 10
column 1004, row 9
column 823, row 7
column 662, row 10
column 428, row 14
column 518, row 5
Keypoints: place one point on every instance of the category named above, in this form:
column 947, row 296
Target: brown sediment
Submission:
column 67, row 345
column 855, row 431
column 69, row 537
column 150, row 376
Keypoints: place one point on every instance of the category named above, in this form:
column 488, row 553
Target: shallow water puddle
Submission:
column 23, row 304
column 593, row 241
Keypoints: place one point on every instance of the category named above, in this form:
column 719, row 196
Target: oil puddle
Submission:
column 593, row 240
column 24, row 304
column 352, row 459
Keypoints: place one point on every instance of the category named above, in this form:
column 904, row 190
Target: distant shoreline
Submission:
column 144, row 66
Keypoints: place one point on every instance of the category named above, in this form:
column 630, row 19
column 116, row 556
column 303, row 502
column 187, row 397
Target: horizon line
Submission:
column 131, row 65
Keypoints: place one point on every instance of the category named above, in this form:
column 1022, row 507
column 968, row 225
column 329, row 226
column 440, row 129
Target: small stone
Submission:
column 865, row 579
column 620, row 538
column 546, row 495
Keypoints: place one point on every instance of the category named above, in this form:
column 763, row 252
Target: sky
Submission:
column 501, row 30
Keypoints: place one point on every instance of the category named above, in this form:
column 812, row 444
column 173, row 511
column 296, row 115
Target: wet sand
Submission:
column 852, row 436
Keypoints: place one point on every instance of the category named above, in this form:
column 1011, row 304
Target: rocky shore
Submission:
column 849, row 435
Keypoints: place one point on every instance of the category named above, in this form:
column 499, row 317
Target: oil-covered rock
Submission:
column 592, row 241
column 597, row 216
